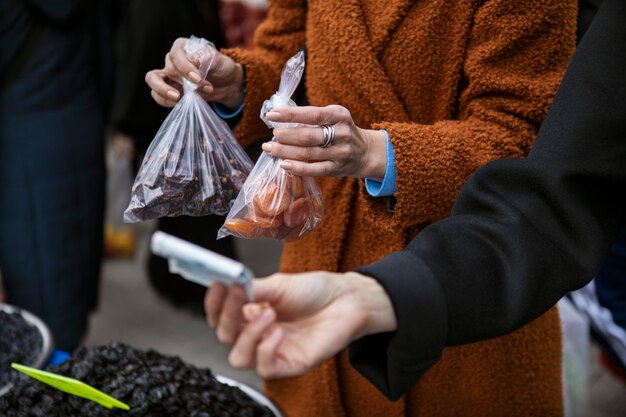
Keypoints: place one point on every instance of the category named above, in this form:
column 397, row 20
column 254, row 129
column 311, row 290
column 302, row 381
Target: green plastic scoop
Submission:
column 71, row 386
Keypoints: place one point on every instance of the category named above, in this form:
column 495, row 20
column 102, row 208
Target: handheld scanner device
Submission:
column 200, row 265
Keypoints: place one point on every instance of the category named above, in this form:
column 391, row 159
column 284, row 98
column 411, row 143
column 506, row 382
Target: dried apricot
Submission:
column 242, row 228
column 295, row 186
column 270, row 200
column 263, row 221
column 297, row 213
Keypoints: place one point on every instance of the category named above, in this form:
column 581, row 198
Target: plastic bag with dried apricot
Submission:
column 274, row 203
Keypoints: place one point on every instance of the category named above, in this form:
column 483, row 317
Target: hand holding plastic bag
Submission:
column 274, row 203
column 194, row 166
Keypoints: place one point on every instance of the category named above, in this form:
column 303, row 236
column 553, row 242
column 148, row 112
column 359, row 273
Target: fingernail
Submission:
column 267, row 147
column 207, row 89
column 252, row 311
column 173, row 94
column 272, row 115
column 285, row 165
column 194, row 76
column 266, row 316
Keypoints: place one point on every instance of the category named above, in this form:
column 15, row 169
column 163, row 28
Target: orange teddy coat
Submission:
column 456, row 83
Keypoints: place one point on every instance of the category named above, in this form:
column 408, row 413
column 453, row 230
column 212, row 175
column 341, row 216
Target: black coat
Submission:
column 523, row 232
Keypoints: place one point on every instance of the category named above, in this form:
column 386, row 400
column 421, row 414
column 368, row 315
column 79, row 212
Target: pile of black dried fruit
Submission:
column 20, row 342
column 152, row 384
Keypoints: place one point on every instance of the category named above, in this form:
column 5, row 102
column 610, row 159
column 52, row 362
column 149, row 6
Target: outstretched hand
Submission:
column 297, row 321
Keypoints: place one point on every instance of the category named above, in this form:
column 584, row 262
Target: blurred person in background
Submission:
column 240, row 19
column 55, row 73
column 420, row 94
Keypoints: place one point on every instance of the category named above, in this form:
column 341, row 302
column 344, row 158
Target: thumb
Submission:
column 269, row 289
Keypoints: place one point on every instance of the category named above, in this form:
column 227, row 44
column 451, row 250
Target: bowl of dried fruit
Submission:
column 150, row 383
column 25, row 339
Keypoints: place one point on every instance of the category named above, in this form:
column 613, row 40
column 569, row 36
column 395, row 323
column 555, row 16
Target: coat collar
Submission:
column 358, row 51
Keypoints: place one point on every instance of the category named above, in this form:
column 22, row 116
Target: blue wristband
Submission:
column 225, row 113
column 388, row 186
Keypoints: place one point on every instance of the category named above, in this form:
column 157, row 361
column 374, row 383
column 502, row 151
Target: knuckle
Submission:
column 311, row 136
column 237, row 294
column 224, row 337
column 345, row 113
column 326, row 170
column 344, row 153
column 315, row 117
column 264, row 372
column 237, row 361
column 343, row 131
column 297, row 169
column 304, row 154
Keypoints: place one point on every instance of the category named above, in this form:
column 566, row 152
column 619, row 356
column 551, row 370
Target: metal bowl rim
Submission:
column 46, row 336
column 252, row 393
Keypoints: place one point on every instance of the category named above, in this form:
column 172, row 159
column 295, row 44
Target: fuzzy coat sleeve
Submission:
column 516, row 55
column 279, row 37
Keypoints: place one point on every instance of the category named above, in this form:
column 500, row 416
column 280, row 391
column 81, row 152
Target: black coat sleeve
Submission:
column 523, row 232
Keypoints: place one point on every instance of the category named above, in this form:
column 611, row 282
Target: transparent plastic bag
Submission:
column 194, row 166
column 119, row 182
column 119, row 238
column 274, row 203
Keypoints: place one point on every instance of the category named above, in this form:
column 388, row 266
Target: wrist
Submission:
column 235, row 96
column 375, row 163
column 372, row 304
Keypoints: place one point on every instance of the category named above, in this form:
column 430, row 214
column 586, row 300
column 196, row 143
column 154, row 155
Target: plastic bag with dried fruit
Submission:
column 274, row 203
column 194, row 166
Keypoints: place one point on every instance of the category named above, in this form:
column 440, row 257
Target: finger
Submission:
column 183, row 65
column 270, row 289
column 310, row 115
column 252, row 311
column 310, row 169
column 156, row 81
column 298, row 153
column 213, row 302
column 206, row 88
column 163, row 101
column 300, row 136
column 243, row 354
column 229, row 321
column 268, row 363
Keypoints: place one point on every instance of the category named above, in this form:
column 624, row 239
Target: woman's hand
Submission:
column 297, row 321
column 355, row 152
column 223, row 84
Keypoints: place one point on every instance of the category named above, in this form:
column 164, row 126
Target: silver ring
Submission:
column 328, row 132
